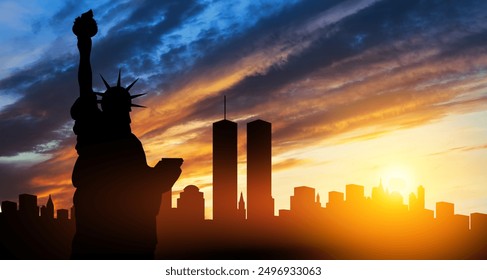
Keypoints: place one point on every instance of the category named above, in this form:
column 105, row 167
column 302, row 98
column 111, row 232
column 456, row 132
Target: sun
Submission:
column 399, row 178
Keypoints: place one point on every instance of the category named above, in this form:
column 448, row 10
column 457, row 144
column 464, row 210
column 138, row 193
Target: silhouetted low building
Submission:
column 444, row 211
column 478, row 222
column 9, row 208
column 303, row 203
column 44, row 212
column 62, row 214
column 461, row 222
column 335, row 200
column 354, row 194
column 191, row 204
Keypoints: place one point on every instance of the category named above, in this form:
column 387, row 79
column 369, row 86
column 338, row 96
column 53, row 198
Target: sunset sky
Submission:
column 357, row 91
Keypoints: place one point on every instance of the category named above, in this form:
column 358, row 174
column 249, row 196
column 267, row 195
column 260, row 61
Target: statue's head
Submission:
column 117, row 100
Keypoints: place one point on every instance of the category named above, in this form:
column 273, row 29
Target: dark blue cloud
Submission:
column 380, row 24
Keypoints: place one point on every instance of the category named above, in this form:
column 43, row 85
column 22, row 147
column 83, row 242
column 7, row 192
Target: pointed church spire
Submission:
column 241, row 201
column 241, row 207
column 49, row 208
column 49, row 202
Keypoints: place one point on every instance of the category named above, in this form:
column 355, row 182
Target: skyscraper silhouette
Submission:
column 260, row 204
column 224, row 170
column 420, row 197
column 416, row 203
column 28, row 205
column 413, row 202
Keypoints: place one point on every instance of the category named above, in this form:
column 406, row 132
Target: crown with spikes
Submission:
column 118, row 96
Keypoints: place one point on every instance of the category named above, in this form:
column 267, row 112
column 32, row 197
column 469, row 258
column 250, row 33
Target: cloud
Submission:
column 288, row 164
column 249, row 77
column 461, row 149
column 66, row 13
column 37, row 117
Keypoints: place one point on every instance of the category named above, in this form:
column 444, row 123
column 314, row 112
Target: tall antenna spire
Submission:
column 224, row 107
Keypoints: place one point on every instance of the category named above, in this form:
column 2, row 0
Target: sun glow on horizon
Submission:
column 398, row 178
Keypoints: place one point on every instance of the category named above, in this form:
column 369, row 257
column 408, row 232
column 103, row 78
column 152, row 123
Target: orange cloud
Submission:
column 288, row 163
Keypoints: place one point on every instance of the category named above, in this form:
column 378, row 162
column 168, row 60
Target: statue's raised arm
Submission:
column 84, row 28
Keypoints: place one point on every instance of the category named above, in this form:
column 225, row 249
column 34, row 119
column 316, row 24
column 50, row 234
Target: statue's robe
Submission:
column 117, row 195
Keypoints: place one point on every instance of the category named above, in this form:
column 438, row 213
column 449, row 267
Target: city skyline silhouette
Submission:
column 366, row 98
column 349, row 225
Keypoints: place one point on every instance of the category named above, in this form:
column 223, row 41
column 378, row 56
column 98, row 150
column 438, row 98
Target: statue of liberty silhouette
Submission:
column 117, row 195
